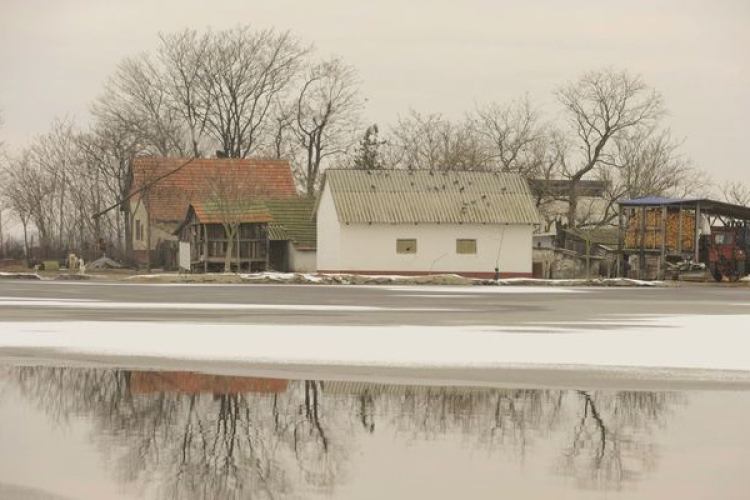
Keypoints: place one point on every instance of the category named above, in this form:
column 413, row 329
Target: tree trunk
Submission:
column 26, row 240
column 230, row 232
column 573, row 204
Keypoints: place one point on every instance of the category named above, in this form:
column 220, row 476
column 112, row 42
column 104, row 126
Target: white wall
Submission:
column 329, row 233
column 301, row 261
column 364, row 247
column 159, row 232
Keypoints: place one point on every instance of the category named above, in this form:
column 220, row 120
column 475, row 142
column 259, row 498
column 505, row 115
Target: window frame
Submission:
column 459, row 241
column 403, row 241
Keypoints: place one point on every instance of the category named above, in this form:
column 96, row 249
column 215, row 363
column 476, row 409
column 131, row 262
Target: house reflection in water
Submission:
column 153, row 382
column 196, row 436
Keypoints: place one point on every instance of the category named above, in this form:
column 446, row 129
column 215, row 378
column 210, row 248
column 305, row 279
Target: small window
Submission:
column 406, row 246
column 138, row 233
column 466, row 246
column 723, row 239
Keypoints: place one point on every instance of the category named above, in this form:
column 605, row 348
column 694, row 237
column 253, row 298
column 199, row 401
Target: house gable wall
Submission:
column 329, row 233
column 160, row 231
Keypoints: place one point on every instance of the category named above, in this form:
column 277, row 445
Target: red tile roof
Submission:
column 170, row 197
column 209, row 212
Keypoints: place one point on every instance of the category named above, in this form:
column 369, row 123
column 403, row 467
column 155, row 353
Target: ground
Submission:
column 684, row 335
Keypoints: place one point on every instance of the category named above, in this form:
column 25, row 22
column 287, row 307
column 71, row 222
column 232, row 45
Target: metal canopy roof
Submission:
column 707, row 206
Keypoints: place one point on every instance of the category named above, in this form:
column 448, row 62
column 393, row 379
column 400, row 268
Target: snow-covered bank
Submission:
column 699, row 342
column 361, row 279
column 19, row 276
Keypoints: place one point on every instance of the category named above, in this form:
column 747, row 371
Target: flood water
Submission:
column 81, row 433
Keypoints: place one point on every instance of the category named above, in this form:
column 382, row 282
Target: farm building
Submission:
column 424, row 222
column 164, row 187
column 659, row 236
column 248, row 235
column 576, row 253
column 233, row 234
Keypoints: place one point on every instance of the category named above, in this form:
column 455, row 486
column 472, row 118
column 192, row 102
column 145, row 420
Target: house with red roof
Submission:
column 167, row 191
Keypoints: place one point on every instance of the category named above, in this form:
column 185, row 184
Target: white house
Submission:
column 424, row 222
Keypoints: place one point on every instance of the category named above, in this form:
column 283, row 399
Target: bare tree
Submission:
column 735, row 192
column 111, row 147
column 54, row 155
column 138, row 99
column 326, row 115
column 183, row 56
column 2, row 183
column 514, row 136
column 644, row 162
column 431, row 141
column 243, row 74
column 26, row 191
column 601, row 107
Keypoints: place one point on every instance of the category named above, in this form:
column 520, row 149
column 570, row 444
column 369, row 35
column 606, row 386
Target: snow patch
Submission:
column 195, row 306
column 701, row 342
column 581, row 282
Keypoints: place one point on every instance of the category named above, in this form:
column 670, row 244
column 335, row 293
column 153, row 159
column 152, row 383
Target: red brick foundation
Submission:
column 465, row 274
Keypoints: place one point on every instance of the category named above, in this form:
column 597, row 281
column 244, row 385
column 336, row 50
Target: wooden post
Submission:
column 642, row 244
column 679, row 233
column 205, row 249
column 237, row 240
column 588, row 256
column 620, row 242
column 268, row 246
column 697, row 230
column 663, row 259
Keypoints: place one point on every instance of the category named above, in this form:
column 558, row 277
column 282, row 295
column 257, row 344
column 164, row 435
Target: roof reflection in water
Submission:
column 184, row 435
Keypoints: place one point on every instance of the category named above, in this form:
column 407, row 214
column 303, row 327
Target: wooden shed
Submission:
column 212, row 229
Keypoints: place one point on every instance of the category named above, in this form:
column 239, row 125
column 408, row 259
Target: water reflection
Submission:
column 183, row 435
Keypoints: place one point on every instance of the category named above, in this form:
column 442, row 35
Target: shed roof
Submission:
column 561, row 187
column 209, row 212
column 708, row 206
column 293, row 220
column 169, row 197
column 427, row 196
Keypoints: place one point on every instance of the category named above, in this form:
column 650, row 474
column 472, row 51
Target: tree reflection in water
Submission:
column 182, row 435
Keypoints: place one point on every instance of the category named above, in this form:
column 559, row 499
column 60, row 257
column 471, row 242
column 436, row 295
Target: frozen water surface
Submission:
column 88, row 433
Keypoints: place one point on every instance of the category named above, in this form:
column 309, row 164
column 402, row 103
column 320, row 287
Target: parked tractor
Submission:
column 726, row 251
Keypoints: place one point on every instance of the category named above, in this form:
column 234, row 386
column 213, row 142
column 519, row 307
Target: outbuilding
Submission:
column 412, row 222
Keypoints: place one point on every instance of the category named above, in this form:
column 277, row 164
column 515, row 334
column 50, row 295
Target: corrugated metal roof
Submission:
column 294, row 219
column 425, row 196
column 277, row 233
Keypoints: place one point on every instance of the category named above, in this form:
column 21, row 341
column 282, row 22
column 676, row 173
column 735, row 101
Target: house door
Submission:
column 278, row 258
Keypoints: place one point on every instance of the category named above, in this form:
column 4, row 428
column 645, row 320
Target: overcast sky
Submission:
column 431, row 55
